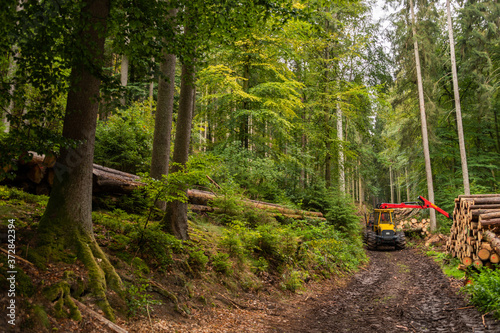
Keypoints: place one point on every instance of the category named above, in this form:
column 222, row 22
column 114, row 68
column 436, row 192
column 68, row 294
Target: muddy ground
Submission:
column 399, row 291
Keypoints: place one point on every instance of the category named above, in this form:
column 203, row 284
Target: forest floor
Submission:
column 399, row 291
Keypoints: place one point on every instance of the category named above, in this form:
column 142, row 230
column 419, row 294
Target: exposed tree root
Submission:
column 53, row 246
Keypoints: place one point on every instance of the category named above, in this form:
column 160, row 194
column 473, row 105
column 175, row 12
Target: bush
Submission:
column 198, row 260
column 221, row 263
column 124, row 141
column 485, row 291
column 259, row 176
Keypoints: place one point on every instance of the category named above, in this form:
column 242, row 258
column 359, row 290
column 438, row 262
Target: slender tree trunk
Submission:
column 328, row 167
column 124, row 77
column 399, row 187
column 175, row 219
column 163, row 117
column 341, row 151
column 407, row 185
column 163, row 120
column 461, row 141
column 423, row 119
column 245, row 119
column 67, row 220
column 12, row 89
column 391, row 183
column 361, row 188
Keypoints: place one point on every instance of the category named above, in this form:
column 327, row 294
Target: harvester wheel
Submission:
column 400, row 240
column 371, row 240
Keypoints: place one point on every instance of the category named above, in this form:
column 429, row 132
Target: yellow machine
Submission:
column 380, row 230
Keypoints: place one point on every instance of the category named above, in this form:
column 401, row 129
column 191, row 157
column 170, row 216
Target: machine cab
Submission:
column 383, row 223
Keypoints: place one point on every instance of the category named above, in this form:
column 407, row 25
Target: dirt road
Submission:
column 400, row 291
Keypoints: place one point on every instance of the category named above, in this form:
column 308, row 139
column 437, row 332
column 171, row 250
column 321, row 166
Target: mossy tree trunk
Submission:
column 67, row 220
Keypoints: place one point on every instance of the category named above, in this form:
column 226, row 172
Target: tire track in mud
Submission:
column 400, row 291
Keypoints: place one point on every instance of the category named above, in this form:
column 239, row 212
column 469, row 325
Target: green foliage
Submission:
column 139, row 301
column 293, row 280
column 198, row 260
column 124, row 140
column 447, row 263
column 129, row 235
column 260, row 177
column 173, row 187
column 222, row 264
column 16, row 195
column 155, row 245
column 315, row 246
column 484, row 291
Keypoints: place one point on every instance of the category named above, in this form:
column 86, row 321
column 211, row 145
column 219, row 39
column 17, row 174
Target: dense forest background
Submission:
column 293, row 101
column 310, row 104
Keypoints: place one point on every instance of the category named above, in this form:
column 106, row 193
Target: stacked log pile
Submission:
column 415, row 226
column 37, row 176
column 408, row 220
column 475, row 233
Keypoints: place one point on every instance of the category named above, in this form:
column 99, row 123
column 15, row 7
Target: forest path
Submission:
column 400, row 291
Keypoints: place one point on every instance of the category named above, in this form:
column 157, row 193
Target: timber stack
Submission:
column 475, row 233
column 415, row 226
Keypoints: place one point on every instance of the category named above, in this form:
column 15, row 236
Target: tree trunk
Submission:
column 391, row 183
column 407, row 185
column 244, row 122
column 361, row 189
column 423, row 119
column 67, row 220
column 460, row 130
column 124, row 77
column 341, row 152
column 163, row 117
column 175, row 219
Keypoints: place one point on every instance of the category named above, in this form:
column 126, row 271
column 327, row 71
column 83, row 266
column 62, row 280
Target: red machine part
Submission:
column 423, row 203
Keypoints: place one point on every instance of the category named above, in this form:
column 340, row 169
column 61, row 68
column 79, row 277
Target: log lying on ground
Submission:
column 91, row 313
column 208, row 209
column 41, row 171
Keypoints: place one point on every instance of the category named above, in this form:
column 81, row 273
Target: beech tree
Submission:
column 67, row 220
column 164, row 112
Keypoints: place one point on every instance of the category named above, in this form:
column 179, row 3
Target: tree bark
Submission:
column 391, row 182
column 460, row 130
column 423, row 119
column 163, row 117
column 67, row 220
column 124, row 77
column 341, row 151
column 175, row 219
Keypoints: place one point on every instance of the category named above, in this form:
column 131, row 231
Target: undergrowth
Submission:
column 240, row 247
column 484, row 291
column 483, row 288
column 448, row 264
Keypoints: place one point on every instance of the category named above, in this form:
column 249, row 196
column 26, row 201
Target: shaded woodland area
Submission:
column 284, row 118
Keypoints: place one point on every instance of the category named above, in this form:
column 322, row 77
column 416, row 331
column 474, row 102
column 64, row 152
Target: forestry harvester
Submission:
column 380, row 228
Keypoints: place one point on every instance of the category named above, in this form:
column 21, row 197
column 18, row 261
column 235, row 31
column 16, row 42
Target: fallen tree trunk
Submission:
column 91, row 313
column 40, row 173
column 209, row 209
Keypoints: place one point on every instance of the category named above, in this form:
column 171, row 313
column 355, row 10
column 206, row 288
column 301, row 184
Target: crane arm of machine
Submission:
column 422, row 203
